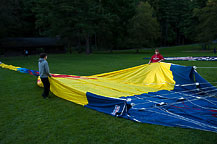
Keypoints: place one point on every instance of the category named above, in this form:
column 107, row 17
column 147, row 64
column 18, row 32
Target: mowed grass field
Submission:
column 27, row 118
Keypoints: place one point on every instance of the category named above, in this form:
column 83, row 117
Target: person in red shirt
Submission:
column 156, row 58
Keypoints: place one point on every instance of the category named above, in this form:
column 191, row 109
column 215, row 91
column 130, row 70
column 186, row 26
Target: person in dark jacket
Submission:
column 44, row 73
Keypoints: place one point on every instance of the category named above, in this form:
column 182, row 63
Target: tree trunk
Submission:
column 96, row 42
column 165, row 33
column 137, row 50
column 79, row 48
column 204, row 46
column 87, row 44
column 69, row 47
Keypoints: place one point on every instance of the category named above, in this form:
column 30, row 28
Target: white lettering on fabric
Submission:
column 116, row 109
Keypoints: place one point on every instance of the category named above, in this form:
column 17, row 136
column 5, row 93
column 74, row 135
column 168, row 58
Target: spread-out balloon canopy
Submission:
column 159, row 93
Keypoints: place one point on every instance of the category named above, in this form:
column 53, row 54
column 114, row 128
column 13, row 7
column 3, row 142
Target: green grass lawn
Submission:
column 25, row 117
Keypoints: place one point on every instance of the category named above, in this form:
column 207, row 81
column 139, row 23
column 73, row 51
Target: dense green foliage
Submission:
column 111, row 24
column 207, row 16
column 143, row 28
column 17, row 19
column 25, row 117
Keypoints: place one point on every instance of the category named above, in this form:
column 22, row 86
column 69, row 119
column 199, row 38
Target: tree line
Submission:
column 111, row 24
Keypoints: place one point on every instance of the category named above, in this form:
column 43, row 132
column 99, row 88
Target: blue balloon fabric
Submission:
column 192, row 103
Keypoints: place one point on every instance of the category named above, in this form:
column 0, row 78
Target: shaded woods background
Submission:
column 111, row 24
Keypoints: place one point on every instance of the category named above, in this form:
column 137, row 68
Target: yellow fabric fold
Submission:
column 127, row 82
column 9, row 67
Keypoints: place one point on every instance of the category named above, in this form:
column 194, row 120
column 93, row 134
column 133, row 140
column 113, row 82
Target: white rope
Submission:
column 180, row 125
column 177, row 92
column 189, row 120
column 180, row 93
column 173, row 115
column 196, row 98
column 197, row 93
column 162, row 103
column 202, row 106
column 196, row 83
column 188, row 84
column 188, row 95
column 206, row 67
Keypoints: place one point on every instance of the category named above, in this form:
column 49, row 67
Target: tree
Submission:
column 114, row 25
column 199, row 3
column 143, row 27
column 175, row 18
column 207, row 30
column 68, row 19
column 109, row 24
column 6, row 17
column 17, row 19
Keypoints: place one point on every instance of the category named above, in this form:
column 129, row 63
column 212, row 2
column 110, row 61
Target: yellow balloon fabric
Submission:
column 122, row 94
column 127, row 82
column 8, row 66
